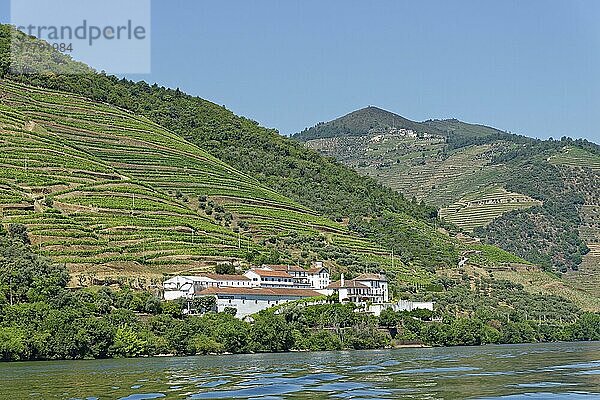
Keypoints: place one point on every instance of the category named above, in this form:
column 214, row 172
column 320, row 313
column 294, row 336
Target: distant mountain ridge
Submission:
column 360, row 122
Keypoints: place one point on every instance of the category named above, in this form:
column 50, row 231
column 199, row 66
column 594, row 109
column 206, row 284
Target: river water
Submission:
column 530, row 371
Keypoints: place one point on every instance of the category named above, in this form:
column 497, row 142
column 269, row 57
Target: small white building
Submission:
column 249, row 301
column 181, row 286
column 319, row 276
column 378, row 286
column 366, row 288
column 186, row 286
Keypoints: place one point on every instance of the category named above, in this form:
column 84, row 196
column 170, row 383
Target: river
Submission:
column 529, row 371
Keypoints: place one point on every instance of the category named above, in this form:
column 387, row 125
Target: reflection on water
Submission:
column 540, row 371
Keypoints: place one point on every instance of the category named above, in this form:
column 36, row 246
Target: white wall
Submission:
column 405, row 305
column 178, row 287
column 249, row 304
column 319, row 281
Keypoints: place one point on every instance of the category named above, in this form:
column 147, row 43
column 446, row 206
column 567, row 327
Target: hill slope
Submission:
column 362, row 122
column 519, row 193
column 285, row 182
column 109, row 192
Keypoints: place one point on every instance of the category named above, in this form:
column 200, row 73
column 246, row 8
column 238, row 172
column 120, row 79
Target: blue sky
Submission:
column 530, row 67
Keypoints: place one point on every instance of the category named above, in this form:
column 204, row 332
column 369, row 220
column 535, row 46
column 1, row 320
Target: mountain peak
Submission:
column 361, row 122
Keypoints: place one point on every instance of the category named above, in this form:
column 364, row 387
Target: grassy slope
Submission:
column 113, row 176
column 466, row 174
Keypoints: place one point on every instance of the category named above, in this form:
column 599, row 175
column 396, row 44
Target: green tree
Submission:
column 272, row 333
column 127, row 343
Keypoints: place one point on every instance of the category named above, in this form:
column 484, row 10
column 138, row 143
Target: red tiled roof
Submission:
column 226, row 277
column 348, row 283
column 260, row 291
column 315, row 270
column 285, row 268
column 271, row 274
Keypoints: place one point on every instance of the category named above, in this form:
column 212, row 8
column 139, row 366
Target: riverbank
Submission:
column 42, row 320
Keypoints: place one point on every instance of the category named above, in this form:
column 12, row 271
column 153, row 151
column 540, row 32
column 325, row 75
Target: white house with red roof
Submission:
column 365, row 288
column 317, row 277
column 269, row 278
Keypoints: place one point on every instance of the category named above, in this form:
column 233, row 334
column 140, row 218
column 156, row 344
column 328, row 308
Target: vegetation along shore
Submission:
column 41, row 319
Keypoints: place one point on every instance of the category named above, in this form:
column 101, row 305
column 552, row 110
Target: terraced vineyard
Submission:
column 417, row 167
column 588, row 275
column 110, row 193
column 576, row 157
column 464, row 183
column 526, row 195
column 441, row 180
column 479, row 209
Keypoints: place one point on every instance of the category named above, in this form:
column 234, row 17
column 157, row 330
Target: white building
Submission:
column 269, row 278
column 378, row 286
column 366, row 288
column 316, row 277
column 257, row 289
column 249, row 301
column 181, row 286
column 319, row 277
column 186, row 286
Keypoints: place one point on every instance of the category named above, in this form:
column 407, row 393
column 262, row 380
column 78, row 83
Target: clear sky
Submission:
column 530, row 67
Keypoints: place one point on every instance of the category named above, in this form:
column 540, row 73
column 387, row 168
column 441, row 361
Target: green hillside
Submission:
column 522, row 194
column 170, row 182
column 98, row 185
column 480, row 208
column 283, row 165
column 111, row 193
